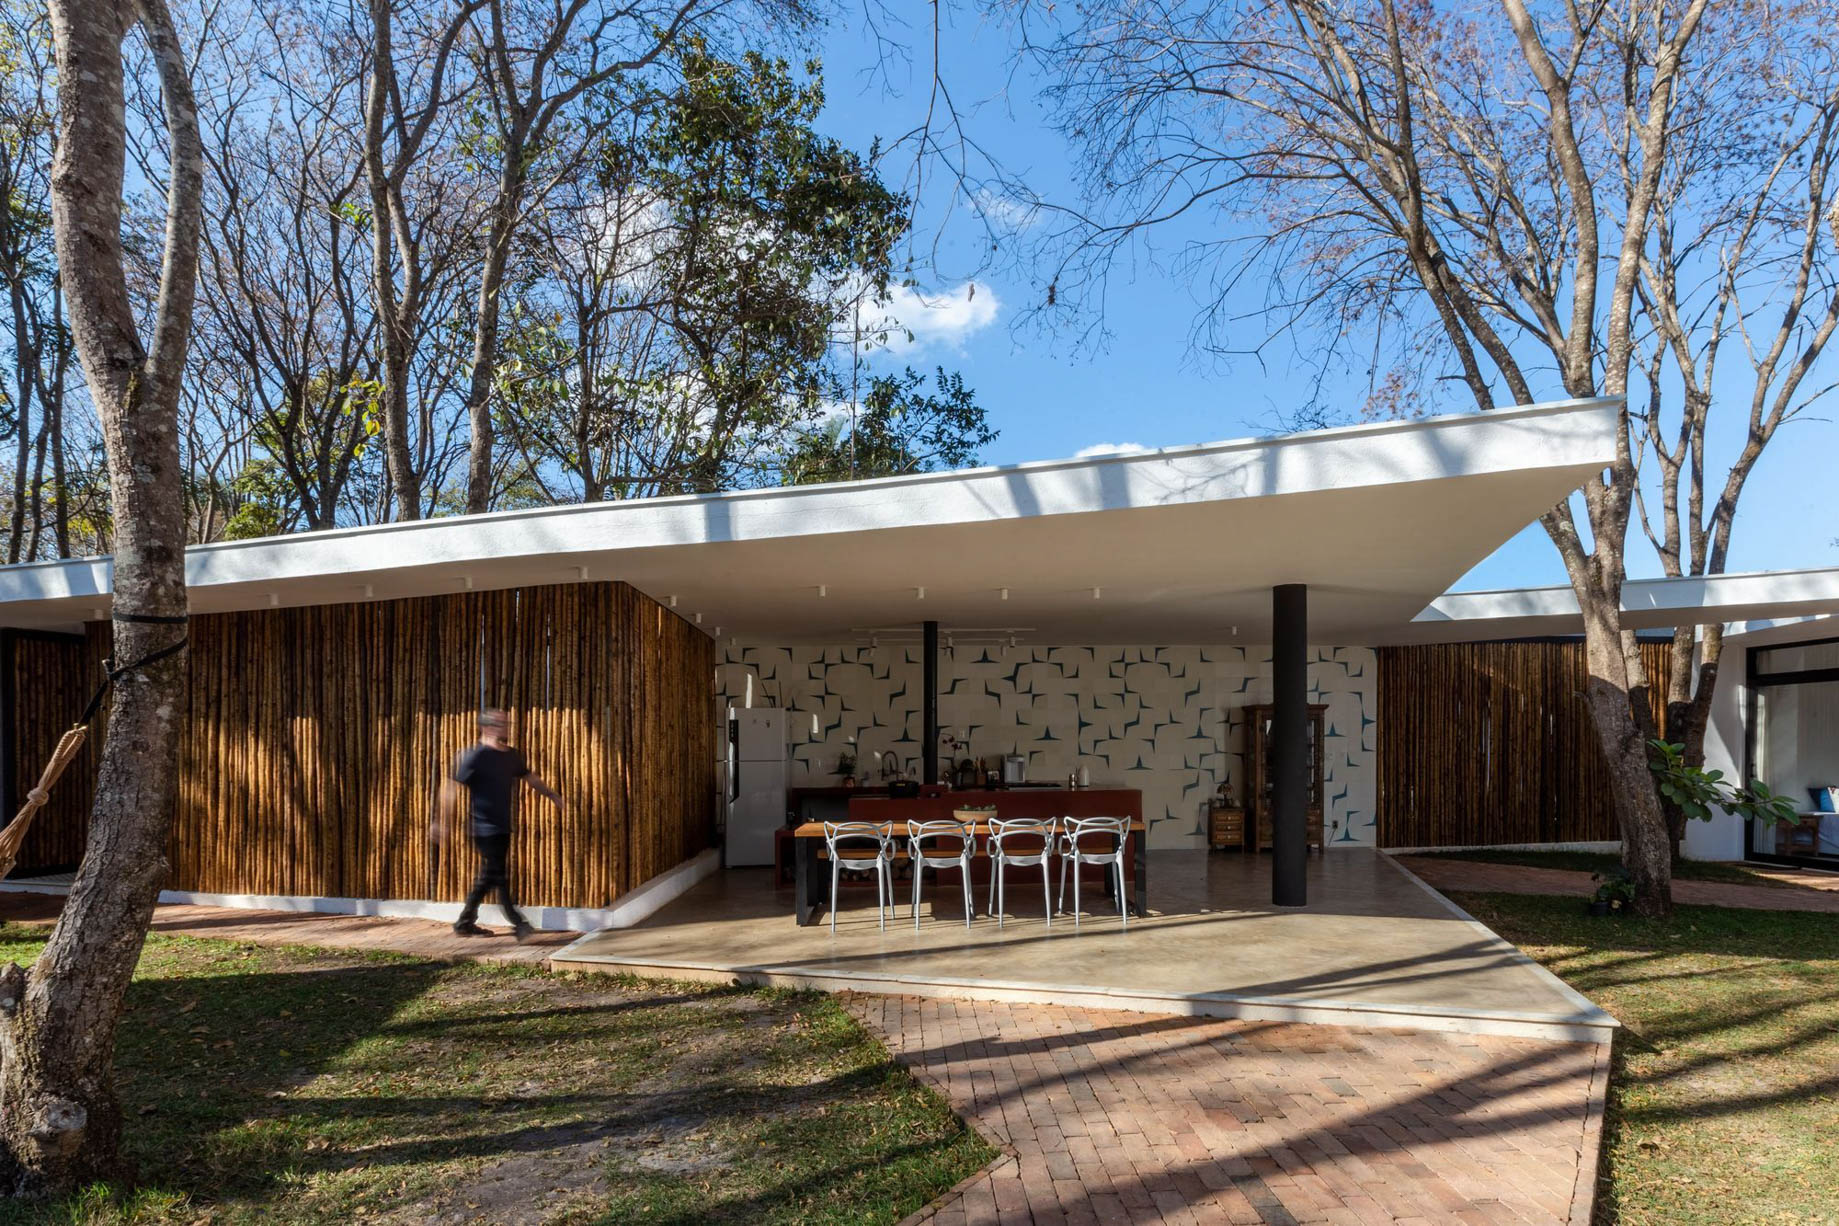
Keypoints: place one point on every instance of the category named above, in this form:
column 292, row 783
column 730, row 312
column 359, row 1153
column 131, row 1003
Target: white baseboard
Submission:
column 636, row 905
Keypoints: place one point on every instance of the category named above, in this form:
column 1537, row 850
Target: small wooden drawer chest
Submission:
column 1225, row 827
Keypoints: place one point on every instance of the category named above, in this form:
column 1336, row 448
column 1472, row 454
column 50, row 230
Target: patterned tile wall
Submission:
column 1166, row 720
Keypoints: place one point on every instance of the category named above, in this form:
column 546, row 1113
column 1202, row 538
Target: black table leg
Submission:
column 1140, row 904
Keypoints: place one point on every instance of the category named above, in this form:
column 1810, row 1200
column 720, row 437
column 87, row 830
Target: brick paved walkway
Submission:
column 1122, row 1117
column 421, row 938
column 1449, row 874
column 1116, row 1117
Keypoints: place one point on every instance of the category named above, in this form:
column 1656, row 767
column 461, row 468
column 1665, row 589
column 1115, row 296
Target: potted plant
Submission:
column 1614, row 892
column 846, row 768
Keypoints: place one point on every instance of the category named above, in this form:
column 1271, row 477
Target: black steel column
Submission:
column 929, row 705
column 1289, row 744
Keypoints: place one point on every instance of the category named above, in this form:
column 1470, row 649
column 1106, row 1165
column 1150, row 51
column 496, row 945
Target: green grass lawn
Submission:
column 304, row 1086
column 1605, row 862
column 1724, row 1102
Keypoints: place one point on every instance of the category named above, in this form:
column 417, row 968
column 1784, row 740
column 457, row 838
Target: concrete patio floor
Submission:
column 1375, row 947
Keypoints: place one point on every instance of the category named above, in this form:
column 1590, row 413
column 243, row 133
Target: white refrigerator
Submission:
column 759, row 785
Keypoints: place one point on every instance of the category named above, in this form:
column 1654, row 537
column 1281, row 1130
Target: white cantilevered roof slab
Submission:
column 1180, row 545
column 1647, row 604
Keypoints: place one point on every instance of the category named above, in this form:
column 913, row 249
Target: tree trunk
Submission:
column 60, row 509
column 23, row 351
column 38, row 488
column 60, row 1122
column 399, row 457
column 1645, row 847
column 395, row 315
column 485, row 345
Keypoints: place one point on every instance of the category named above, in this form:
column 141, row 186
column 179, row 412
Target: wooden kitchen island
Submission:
column 939, row 804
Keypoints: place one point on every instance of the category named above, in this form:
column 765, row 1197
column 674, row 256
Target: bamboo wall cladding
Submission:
column 318, row 740
column 1485, row 743
column 47, row 679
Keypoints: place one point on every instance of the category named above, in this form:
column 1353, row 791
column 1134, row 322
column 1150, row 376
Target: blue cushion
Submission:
column 1829, row 800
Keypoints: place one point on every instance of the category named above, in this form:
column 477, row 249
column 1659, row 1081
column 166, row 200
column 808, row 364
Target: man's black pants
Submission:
column 494, row 849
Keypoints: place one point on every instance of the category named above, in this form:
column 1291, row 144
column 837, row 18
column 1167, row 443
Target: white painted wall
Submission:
column 1165, row 720
column 1722, row 838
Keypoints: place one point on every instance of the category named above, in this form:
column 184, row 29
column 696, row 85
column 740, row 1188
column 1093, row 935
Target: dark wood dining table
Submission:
column 812, row 873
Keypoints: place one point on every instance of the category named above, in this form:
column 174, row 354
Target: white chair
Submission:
column 1023, row 842
column 861, row 847
column 941, row 844
column 1080, row 838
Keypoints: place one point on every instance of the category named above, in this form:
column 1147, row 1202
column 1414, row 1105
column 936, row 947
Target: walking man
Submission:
column 490, row 771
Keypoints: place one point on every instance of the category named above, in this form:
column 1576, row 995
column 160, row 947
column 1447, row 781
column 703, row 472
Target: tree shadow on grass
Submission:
column 1679, row 987
column 249, row 1077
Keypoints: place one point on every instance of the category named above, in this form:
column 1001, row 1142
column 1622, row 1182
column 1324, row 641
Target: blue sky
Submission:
column 1055, row 395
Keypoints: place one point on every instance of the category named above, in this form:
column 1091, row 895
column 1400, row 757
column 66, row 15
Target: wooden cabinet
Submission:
column 1258, row 775
column 1225, row 827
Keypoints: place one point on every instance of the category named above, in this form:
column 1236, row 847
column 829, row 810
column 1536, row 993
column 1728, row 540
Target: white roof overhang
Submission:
column 1175, row 546
column 1647, row 604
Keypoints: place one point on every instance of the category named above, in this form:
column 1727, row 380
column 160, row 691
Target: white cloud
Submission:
column 829, row 410
column 1008, row 213
column 1098, row 449
column 943, row 320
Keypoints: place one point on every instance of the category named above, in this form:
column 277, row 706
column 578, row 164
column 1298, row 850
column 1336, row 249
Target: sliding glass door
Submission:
column 1794, row 748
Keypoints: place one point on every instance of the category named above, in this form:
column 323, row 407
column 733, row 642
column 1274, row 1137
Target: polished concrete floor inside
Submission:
column 1373, row 947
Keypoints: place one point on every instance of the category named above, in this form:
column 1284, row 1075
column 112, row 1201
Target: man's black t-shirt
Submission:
column 491, row 775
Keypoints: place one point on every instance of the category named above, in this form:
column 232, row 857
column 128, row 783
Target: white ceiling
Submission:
column 1182, row 545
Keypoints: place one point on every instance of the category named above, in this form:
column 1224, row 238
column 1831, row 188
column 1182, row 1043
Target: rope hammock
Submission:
column 71, row 743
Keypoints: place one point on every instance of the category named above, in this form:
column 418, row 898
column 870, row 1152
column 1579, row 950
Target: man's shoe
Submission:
column 523, row 932
column 470, row 930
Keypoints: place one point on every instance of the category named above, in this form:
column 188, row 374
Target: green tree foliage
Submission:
column 1699, row 793
column 675, row 332
column 900, row 427
column 51, row 493
column 677, row 268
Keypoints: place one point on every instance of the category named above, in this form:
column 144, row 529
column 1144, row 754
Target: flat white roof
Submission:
column 1647, row 604
column 1180, row 545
